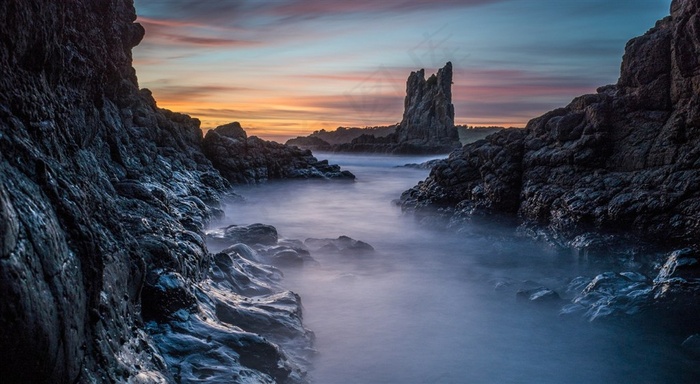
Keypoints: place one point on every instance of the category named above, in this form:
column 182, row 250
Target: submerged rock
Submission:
column 343, row 245
column 538, row 295
column 609, row 294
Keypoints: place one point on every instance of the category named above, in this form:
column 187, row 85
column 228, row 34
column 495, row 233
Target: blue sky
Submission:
column 288, row 67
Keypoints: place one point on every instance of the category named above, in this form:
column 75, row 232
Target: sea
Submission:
column 434, row 304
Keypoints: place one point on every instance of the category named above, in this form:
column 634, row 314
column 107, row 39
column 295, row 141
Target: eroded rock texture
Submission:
column 244, row 160
column 428, row 115
column 624, row 159
column 103, row 199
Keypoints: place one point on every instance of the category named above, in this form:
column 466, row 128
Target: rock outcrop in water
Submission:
column 626, row 159
column 427, row 126
column 243, row 159
column 428, row 115
column 104, row 272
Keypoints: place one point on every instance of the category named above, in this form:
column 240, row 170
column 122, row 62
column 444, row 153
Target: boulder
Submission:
column 251, row 234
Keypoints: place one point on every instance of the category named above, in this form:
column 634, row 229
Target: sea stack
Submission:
column 428, row 116
column 427, row 126
column 625, row 159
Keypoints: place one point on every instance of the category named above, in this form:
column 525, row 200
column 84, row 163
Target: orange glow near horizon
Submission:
column 286, row 69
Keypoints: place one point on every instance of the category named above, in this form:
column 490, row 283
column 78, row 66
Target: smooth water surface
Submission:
column 434, row 306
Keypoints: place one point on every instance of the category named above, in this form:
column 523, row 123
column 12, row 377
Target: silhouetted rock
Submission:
column 625, row 159
column 428, row 115
column 427, row 126
column 245, row 160
column 309, row 142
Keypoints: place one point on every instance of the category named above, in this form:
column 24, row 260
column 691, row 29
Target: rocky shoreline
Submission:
column 105, row 270
column 610, row 169
column 104, row 199
column 622, row 160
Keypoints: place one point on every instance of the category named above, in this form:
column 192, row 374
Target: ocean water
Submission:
column 435, row 306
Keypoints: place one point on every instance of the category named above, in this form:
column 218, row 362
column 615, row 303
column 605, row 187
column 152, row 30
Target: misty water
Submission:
column 435, row 306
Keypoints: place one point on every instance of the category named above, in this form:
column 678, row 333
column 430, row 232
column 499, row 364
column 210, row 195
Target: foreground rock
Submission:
column 244, row 160
column 104, row 273
column 625, row 159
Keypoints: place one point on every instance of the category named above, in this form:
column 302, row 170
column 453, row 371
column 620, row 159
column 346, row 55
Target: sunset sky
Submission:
column 284, row 68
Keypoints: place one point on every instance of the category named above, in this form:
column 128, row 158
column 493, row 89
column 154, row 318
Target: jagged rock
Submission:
column 244, row 160
column 427, row 126
column 103, row 201
column 680, row 264
column 610, row 294
column 625, row 159
column 428, row 115
column 164, row 294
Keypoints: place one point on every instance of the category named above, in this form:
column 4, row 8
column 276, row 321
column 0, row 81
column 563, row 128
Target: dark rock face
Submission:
column 103, row 201
column 428, row 115
column 246, row 160
column 624, row 159
column 311, row 143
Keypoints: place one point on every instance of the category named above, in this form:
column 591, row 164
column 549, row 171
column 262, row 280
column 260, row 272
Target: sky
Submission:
column 285, row 68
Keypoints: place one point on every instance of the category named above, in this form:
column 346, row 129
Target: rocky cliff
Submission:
column 625, row 159
column 104, row 273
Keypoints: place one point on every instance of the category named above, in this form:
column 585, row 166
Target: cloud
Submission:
column 243, row 11
column 310, row 9
column 179, row 92
column 174, row 32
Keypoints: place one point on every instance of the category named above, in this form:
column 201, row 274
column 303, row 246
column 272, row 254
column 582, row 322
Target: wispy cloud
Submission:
column 236, row 12
column 169, row 31
column 293, row 66
column 179, row 92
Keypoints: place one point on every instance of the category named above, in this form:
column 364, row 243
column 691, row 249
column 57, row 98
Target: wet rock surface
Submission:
column 104, row 272
column 622, row 160
column 246, row 160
